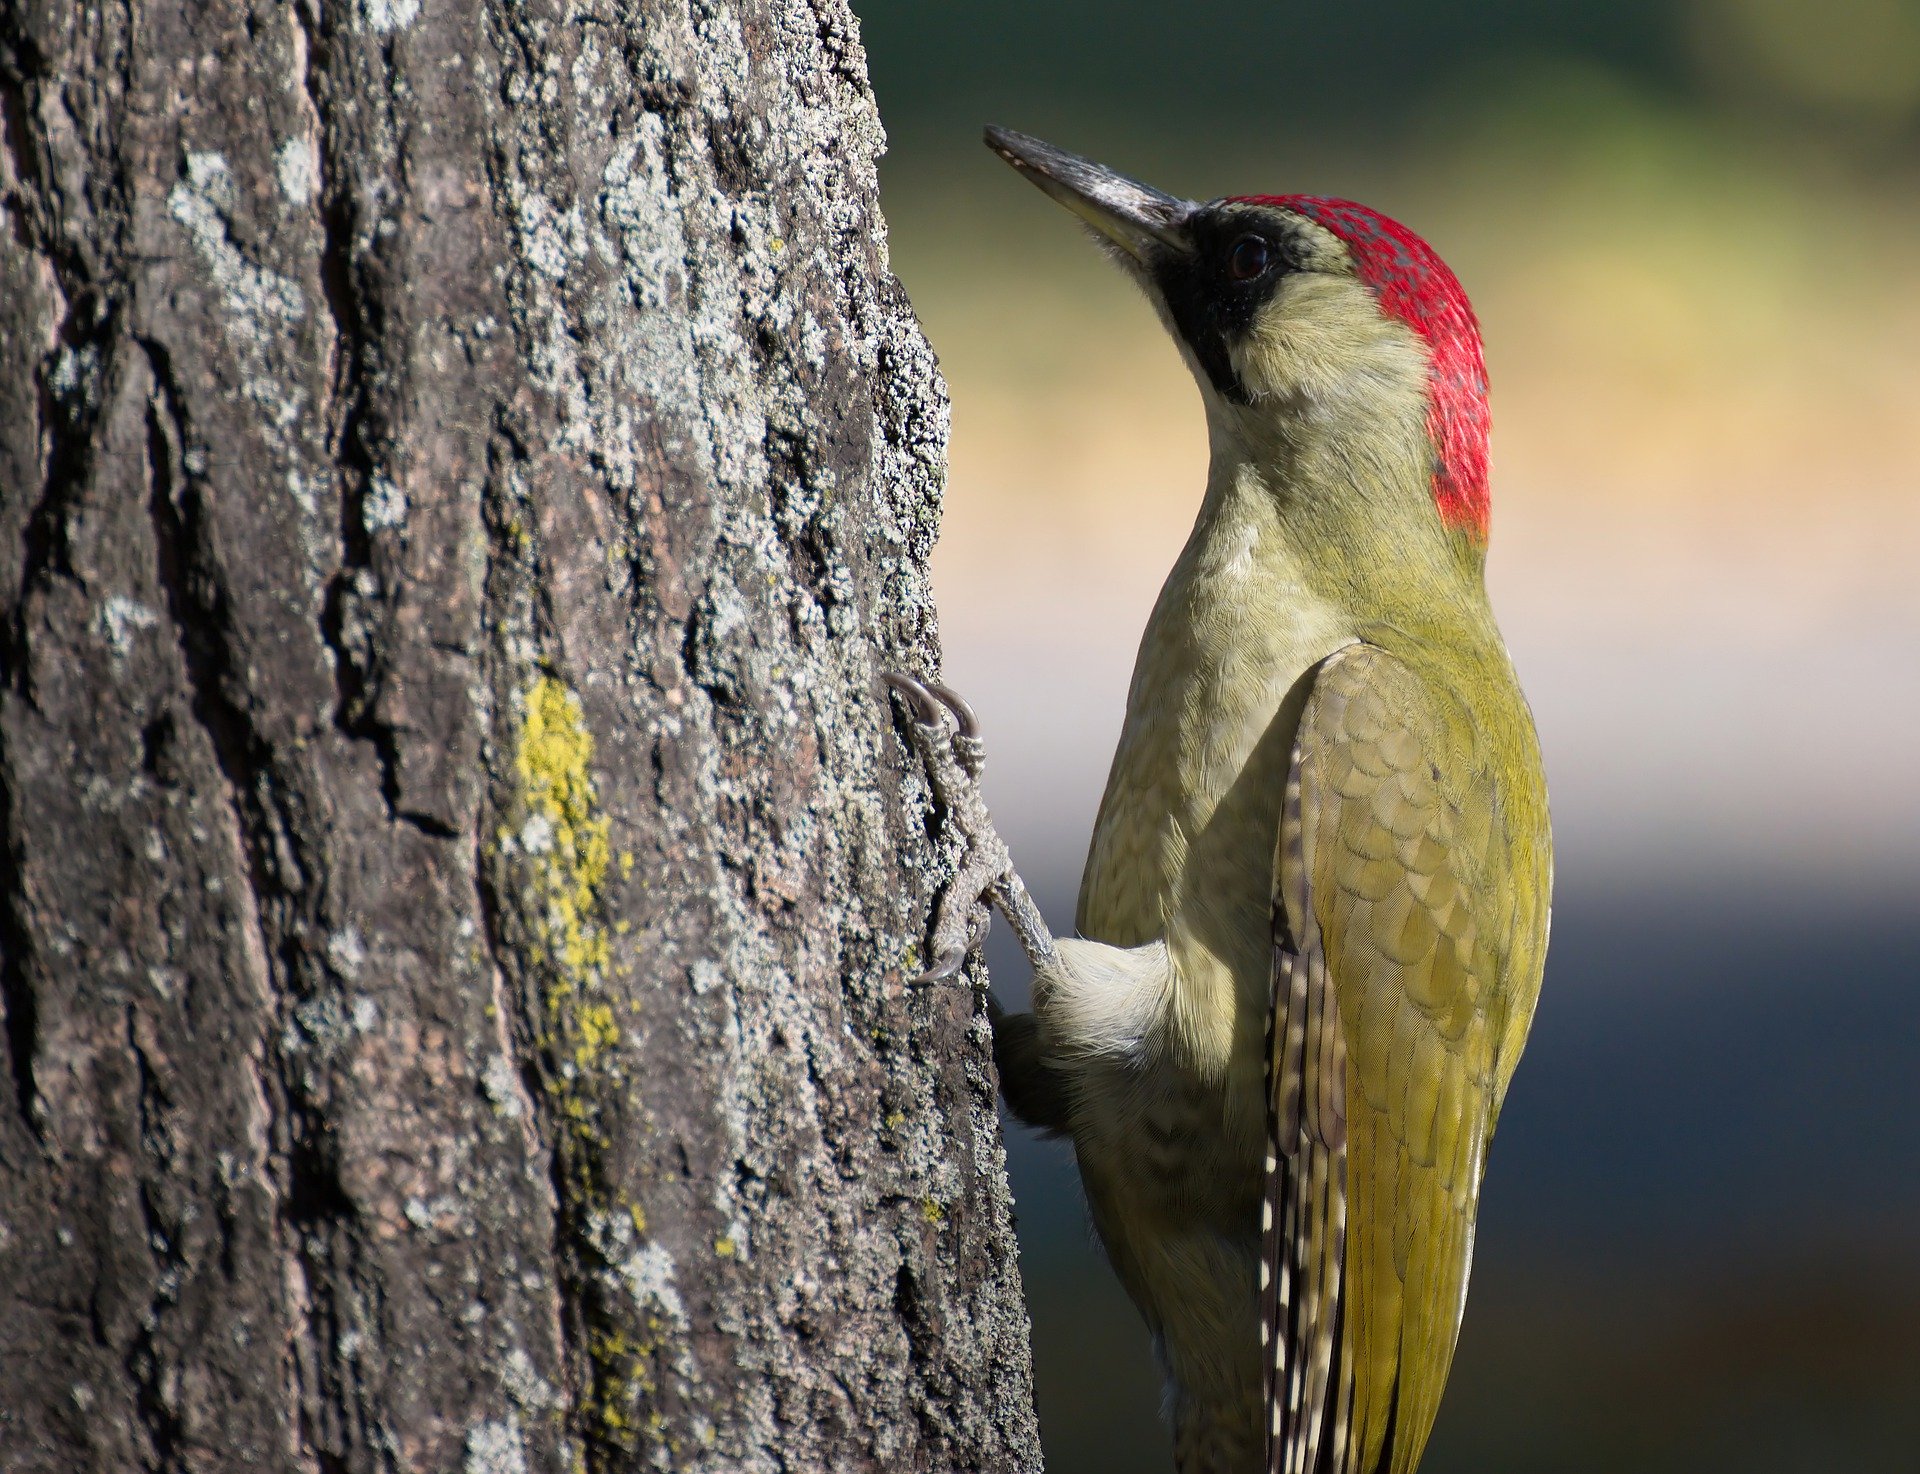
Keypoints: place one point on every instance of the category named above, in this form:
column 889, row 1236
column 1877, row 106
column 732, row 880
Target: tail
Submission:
column 1307, row 1370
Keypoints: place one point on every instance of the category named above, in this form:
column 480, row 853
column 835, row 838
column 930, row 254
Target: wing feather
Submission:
column 1403, row 945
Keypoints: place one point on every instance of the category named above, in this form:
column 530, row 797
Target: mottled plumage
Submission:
column 1411, row 951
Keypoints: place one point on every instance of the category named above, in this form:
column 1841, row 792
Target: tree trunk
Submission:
column 463, row 464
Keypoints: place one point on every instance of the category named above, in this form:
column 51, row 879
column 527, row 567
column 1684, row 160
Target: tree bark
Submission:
column 463, row 464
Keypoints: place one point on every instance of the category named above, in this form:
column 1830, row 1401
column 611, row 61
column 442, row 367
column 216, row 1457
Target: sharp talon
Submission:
column 948, row 964
column 920, row 701
column 969, row 724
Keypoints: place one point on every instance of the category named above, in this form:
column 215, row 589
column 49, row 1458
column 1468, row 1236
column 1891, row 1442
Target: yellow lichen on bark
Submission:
column 571, row 857
column 565, row 841
column 563, row 838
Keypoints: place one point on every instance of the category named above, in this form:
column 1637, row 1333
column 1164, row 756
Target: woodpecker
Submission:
column 1314, row 915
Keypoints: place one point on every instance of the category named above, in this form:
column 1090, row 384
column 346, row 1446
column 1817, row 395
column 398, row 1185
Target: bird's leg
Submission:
column 946, row 734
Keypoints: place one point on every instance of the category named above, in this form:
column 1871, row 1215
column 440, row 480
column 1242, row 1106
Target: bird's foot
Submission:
column 946, row 735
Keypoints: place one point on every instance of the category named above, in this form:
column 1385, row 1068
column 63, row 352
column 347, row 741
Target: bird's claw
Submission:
column 950, row 961
column 920, row 701
column 931, row 703
column 946, row 734
column 968, row 747
column 966, row 723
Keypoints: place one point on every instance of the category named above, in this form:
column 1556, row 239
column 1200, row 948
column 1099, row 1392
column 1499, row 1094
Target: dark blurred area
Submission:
column 1696, row 1249
column 1691, row 231
column 1224, row 80
column 1288, row 70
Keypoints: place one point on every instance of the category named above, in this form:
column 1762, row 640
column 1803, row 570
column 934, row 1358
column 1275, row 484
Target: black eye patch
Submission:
column 1215, row 293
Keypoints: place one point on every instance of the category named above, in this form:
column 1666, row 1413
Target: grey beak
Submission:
column 1132, row 215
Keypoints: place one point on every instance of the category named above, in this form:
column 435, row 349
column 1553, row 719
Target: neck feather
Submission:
column 1342, row 509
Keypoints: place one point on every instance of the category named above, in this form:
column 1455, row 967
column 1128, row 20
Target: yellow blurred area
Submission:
column 1858, row 56
column 1706, row 553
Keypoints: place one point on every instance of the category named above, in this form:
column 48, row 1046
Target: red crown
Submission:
column 1416, row 286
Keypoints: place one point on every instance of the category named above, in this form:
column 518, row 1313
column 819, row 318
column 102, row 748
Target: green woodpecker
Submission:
column 1314, row 916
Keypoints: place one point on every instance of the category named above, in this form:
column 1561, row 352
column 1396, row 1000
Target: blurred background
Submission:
column 1692, row 231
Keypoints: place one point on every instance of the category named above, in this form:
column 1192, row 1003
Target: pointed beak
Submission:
column 1135, row 217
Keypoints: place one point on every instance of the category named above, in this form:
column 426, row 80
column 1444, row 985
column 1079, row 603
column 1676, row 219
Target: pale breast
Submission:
column 1184, row 844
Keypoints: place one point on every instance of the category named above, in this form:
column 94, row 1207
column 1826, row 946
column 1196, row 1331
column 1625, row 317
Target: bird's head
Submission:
column 1312, row 326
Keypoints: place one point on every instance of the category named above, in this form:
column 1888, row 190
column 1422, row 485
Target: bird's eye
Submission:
column 1249, row 257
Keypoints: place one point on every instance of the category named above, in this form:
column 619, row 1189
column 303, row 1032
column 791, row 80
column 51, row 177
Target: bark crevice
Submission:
column 144, row 1359
column 16, row 957
column 310, row 1199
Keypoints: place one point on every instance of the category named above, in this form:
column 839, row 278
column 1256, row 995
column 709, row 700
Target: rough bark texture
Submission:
column 463, row 464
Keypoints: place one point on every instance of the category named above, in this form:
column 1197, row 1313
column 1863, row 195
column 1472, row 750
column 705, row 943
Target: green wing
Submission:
column 1410, row 928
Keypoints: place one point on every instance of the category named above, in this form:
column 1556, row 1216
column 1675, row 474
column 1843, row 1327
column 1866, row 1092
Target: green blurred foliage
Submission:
column 1311, row 73
column 1253, row 77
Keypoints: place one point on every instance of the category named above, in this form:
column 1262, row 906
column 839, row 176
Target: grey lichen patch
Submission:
column 495, row 1448
column 437, row 1215
column 264, row 327
column 296, row 164
column 500, row 1087
column 531, row 1392
column 388, row 16
column 552, row 239
column 637, row 209
column 347, row 952
column 75, row 374
column 203, row 202
column 648, row 1274
column 306, row 490
column 319, row 1030
column 120, row 616
column 385, row 505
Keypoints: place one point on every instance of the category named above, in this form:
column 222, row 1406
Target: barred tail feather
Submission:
column 1307, row 1380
